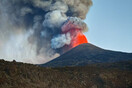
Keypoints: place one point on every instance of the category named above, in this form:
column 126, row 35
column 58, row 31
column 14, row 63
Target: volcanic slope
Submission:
column 87, row 53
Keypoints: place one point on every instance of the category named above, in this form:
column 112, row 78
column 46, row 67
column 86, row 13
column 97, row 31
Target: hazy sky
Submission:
column 110, row 24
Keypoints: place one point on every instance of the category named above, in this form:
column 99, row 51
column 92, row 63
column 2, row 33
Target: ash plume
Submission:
column 31, row 30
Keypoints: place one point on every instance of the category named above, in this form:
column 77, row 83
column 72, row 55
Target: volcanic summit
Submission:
column 87, row 53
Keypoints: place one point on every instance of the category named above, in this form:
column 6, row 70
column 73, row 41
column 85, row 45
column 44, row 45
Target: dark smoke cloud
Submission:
column 30, row 30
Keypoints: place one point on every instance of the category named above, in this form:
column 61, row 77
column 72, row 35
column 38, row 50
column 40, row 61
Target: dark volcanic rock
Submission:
column 88, row 54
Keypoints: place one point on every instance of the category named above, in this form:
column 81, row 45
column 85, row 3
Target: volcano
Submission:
column 87, row 53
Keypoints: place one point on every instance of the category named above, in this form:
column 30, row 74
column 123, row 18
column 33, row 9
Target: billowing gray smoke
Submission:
column 29, row 29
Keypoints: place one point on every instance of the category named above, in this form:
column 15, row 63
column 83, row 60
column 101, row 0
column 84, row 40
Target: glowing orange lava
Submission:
column 78, row 39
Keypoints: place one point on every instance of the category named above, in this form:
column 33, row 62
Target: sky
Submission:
column 110, row 24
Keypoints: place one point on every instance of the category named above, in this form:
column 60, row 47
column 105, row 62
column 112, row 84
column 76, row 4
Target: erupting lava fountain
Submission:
column 75, row 27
